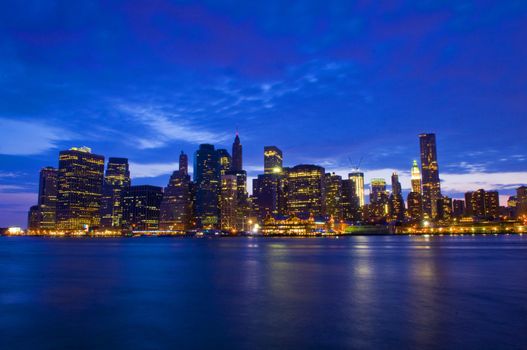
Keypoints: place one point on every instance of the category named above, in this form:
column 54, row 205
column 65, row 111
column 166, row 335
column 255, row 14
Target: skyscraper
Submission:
column 207, row 186
column 396, row 200
column 416, row 178
column 267, row 194
column 273, row 160
column 237, row 164
column 333, row 196
column 229, row 203
column 80, row 182
column 415, row 206
column 33, row 218
column 430, row 172
column 47, row 198
column 116, row 180
column 378, row 198
column 305, row 190
column 521, row 201
column 357, row 179
column 141, row 206
column 224, row 161
column 176, row 206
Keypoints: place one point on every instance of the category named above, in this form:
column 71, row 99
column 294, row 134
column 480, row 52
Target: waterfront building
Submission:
column 229, row 203
column 458, row 208
column 80, row 181
column 289, row 226
column 521, row 201
column 396, row 201
column 237, row 162
column 305, row 190
column 176, row 206
column 379, row 200
column 416, row 178
column 141, row 207
column 273, row 160
column 482, row 204
column 415, row 206
column 267, row 195
column 333, row 196
column 444, row 208
column 33, row 218
column 116, row 180
column 492, row 204
column 357, row 181
column 351, row 210
column 430, row 174
column 47, row 198
column 207, row 186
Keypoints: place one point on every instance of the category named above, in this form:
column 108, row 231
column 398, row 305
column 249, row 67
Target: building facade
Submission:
column 116, row 180
column 430, row 174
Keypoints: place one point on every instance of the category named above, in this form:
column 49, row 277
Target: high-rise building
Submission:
column 458, row 208
column 351, row 209
column 333, row 196
column 141, row 206
column 378, row 198
column 396, row 200
column 415, row 206
column 229, row 203
column 273, row 160
column 357, row 179
column 521, row 201
column 444, row 208
column 176, row 206
column 268, row 195
column 430, row 173
column 237, row 164
column 207, row 186
column 305, row 190
column 183, row 163
column 80, row 181
column 47, row 198
column 492, row 204
column 482, row 204
column 416, row 178
column 33, row 218
column 224, row 161
column 116, row 180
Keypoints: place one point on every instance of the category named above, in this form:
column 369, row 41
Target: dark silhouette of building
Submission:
column 305, row 190
column 33, row 218
column 141, row 206
column 351, row 209
column 207, row 186
column 116, row 180
column 237, row 163
column 458, row 208
column 47, row 198
column 521, row 201
column 415, row 206
column 273, row 160
column 430, row 174
column 176, row 206
column 80, row 181
column 397, row 209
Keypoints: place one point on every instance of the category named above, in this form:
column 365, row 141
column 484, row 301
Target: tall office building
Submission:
column 333, row 196
column 416, row 178
column 482, row 204
column 521, row 201
column 444, row 208
column 33, row 218
column 116, row 180
column 458, row 208
column 415, row 206
column 305, row 190
column 80, row 181
column 351, row 209
column 207, row 186
column 237, row 164
column 47, row 198
column 273, row 160
column 229, row 203
column 492, row 204
column 430, row 173
column 141, row 206
column 176, row 206
column 379, row 200
column 268, row 195
column 224, row 161
column 396, row 200
column 357, row 179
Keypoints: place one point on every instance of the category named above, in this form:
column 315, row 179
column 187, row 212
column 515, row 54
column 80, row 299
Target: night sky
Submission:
column 329, row 82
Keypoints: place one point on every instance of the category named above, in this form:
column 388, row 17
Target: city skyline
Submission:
column 332, row 88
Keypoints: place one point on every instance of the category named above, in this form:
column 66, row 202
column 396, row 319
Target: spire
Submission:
column 237, row 153
column 416, row 173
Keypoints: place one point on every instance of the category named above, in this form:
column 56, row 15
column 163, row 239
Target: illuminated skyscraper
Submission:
column 396, row 200
column 47, row 198
column 272, row 160
column 416, row 178
column 141, row 206
column 444, row 208
column 305, row 190
column 224, row 161
column 357, row 179
column 430, row 172
column 176, row 206
column 207, row 186
column 80, row 183
column 396, row 185
column 351, row 210
column 116, row 180
column 378, row 198
column 521, row 201
column 229, row 203
column 237, row 163
column 415, row 206
column 492, row 204
column 333, row 196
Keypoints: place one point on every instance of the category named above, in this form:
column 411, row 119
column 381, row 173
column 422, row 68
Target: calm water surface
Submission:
column 239, row 293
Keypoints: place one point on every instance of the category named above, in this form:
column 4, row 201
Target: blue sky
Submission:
column 329, row 82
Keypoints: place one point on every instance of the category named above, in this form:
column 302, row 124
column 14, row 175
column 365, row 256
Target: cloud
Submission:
column 487, row 180
column 138, row 170
column 167, row 126
column 29, row 137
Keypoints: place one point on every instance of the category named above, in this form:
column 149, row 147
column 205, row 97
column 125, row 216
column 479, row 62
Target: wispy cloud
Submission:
column 165, row 126
column 144, row 170
column 29, row 137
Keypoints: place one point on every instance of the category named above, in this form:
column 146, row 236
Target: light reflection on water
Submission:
column 380, row 292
